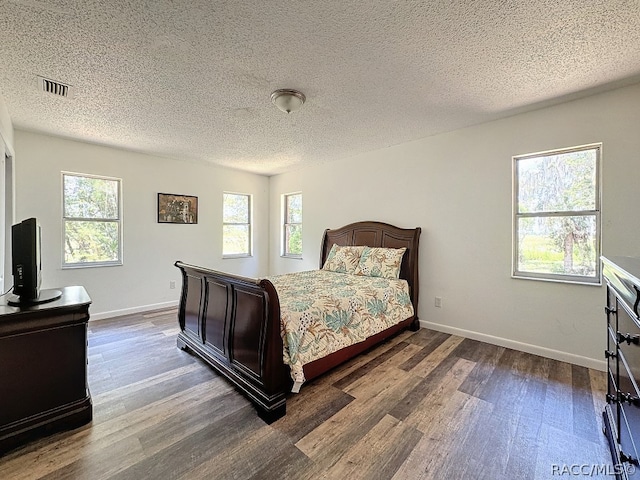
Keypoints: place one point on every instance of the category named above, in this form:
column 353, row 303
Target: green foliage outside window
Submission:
column 293, row 225
column 91, row 220
column 557, row 213
column 236, row 229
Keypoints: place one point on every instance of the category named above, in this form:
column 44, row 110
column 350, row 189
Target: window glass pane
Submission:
column 293, row 240
column 235, row 240
column 557, row 183
column 294, row 209
column 87, row 241
column 86, row 197
column 235, row 208
column 564, row 245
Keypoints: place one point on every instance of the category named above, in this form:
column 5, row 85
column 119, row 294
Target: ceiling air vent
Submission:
column 55, row 88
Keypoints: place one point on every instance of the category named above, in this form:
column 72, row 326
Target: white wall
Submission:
column 6, row 127
column 149, row 248
column 457, row 187
column 6, row 192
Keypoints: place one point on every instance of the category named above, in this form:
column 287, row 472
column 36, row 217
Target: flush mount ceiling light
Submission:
column 288, row 100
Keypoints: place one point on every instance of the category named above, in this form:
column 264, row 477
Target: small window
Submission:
column 292, row 232
column 92, row 220
column 236, row 228
column 557, row 215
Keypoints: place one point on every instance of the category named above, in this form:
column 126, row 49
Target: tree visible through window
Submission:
column 236, row 228
column 292, row 235
column 91, row 216
column 557, row 215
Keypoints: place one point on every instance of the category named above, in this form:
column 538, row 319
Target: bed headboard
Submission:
column 378, row 234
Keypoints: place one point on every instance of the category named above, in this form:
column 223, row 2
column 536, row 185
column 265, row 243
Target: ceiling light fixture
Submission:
column 288, row 100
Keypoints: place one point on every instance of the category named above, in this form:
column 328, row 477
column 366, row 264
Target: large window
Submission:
column 292, row 232
column 236, row 229
column 92, row 220
column 557, row 215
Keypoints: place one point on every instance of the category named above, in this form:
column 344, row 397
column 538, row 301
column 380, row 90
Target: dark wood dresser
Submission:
column 622, row 413
column 43, row 367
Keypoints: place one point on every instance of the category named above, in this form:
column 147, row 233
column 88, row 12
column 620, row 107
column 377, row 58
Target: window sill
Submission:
column 593, row 283
column 91, row 265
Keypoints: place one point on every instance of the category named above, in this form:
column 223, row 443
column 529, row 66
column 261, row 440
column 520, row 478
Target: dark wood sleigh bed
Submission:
column 233, row 322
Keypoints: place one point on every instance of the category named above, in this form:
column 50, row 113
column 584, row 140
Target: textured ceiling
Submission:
column 192, row 79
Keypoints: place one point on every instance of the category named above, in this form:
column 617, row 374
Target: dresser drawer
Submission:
column 628, row 338
column 627, row 385
column 622, row 279
column 627, row 320
column 628, row 450
column 610, row 309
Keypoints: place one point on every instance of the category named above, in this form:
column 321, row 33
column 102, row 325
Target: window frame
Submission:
column 250, row 225
column 595, row 280
column 285, row 224
column 118, row 221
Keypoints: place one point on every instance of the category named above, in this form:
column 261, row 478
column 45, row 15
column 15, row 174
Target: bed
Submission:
column 234, row 323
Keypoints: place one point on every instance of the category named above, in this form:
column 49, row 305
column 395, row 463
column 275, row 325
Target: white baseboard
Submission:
column 133, row 310
column 523, row 347
column 482, row 337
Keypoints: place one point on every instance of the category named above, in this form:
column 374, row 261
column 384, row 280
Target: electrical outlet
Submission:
column 438, row 302
column 172, row 285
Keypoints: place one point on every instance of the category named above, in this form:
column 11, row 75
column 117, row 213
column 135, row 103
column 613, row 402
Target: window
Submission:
column 92, row 220
column 557, row 215
column 236, row 228
column 292, row 234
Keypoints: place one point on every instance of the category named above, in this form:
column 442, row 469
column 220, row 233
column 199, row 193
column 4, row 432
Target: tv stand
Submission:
column 43, row 367
column 44, row 296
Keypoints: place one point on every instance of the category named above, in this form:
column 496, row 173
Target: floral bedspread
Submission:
column 322, row 312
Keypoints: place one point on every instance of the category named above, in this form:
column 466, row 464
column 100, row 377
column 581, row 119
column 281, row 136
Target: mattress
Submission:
column 323, row 311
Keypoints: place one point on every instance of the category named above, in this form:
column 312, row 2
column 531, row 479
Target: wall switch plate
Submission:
column 172, row 285
column 438, row 302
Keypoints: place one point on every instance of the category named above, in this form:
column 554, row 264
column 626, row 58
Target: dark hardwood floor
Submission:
column 422, row 405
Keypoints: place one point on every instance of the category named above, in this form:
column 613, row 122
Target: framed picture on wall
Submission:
column 174, row 208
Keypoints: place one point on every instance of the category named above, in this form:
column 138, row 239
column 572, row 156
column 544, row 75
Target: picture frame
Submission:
column 175, row 208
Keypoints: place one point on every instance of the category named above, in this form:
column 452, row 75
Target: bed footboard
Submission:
column 233, row 323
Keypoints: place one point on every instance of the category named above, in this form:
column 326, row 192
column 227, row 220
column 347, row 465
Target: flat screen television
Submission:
column 26, row 265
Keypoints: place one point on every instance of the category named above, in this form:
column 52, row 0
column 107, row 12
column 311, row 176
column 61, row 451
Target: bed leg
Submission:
column 270, row 416
column 181, row 345
column 415, row 325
